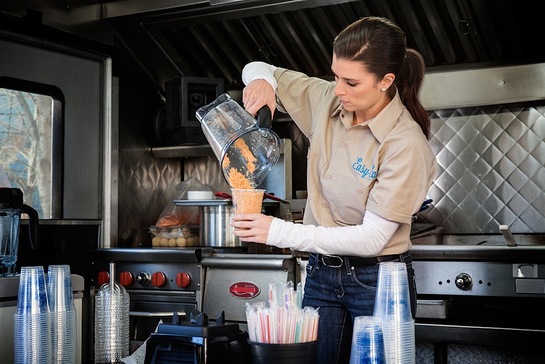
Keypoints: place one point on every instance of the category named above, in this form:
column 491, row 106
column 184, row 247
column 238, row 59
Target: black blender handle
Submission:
column 264, row 117
column 32, row 225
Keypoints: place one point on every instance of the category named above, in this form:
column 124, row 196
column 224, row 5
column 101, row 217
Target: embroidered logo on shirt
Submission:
column 363, row 170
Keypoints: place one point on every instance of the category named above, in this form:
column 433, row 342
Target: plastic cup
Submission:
column 367, row 341
column 32, row 338
column 392, row 300
column 59, row 288
column 32, row 294
column 247, row 200
column 64, row 336
column 399, row 341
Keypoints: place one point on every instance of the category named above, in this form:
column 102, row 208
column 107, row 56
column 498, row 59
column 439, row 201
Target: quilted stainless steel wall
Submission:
column 491, row 169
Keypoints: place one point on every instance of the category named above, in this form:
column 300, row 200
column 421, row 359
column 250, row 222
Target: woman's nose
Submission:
column 339, row 91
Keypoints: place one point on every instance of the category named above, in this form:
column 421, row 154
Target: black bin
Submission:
column 302, row 353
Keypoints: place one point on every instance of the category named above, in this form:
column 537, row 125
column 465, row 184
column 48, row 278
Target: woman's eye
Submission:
column 351, row 84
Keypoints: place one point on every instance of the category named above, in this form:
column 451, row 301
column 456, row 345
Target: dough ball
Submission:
column 193, row 240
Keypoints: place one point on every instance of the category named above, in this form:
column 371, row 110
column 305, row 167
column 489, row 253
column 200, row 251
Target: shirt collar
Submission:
column 381, row 124
column 385, row 121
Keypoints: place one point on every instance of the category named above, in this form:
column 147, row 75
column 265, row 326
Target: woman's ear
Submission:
column 387, row 81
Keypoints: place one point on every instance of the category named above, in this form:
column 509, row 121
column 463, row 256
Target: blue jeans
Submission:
column 341, row 294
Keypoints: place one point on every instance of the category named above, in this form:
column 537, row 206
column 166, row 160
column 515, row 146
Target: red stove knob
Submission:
column 126, row 278
column 103, row 277
column 158, row 279
column 183, row 279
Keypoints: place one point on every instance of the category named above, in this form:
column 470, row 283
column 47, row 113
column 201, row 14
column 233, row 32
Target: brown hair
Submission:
column 381, row 47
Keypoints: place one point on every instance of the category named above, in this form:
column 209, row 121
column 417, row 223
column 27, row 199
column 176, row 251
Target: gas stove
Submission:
column 151, row 269
column 164, row 283
column 161, row 283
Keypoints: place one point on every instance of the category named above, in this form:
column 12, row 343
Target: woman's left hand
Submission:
column 252, row 227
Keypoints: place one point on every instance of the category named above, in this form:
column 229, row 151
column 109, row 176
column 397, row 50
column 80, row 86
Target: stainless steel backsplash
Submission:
column 491, row 172
column 491, row 169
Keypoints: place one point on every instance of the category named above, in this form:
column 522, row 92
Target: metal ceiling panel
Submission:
column 217, row 41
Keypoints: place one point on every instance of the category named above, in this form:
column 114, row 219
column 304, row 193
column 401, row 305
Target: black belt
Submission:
column 337, row 261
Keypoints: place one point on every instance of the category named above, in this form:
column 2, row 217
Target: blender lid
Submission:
column 11, row 198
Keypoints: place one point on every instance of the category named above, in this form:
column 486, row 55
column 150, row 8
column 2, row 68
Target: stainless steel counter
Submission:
column 9, row 287
column 533, row 253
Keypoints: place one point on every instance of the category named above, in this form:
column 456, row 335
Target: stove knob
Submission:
column 143, row 278
column 183, row 279
column 103, row 277
column 126, row 278
column 158, row 279
column 463, row 281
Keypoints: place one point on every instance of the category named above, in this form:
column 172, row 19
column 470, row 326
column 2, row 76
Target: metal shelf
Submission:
column 182, row 151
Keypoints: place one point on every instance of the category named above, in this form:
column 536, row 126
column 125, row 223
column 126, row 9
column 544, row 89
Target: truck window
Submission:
column 29, row 146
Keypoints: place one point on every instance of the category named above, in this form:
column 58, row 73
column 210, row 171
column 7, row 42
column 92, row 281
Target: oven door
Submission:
column 149, row 308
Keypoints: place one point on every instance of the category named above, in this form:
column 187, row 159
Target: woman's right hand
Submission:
column 257, row 94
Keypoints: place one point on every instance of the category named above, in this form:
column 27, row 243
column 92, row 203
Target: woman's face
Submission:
column 358, row 89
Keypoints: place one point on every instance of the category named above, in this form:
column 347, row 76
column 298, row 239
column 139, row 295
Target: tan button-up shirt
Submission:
column 384, row 165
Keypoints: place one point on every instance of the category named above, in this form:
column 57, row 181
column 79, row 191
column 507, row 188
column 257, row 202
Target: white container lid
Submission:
column 200, row 195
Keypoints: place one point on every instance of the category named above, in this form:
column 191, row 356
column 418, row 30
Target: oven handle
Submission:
column 434, row 309
column 154, row 314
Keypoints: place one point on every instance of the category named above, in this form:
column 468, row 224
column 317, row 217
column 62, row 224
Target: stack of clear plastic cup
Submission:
column 32, row 329
column 112, row 305
column 393, row 306
column 367, row 341
column 63, row 314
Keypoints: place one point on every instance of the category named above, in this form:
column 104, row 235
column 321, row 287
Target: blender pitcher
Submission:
column 11, row 207
column 245, row 147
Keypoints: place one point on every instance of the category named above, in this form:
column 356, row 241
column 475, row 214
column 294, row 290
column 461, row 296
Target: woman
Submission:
column 369, row 169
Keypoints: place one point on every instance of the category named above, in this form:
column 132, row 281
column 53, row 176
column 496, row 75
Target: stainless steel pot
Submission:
column 215, row 228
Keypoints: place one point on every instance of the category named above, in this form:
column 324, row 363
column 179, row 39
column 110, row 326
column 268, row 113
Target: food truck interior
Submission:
column 98, row 128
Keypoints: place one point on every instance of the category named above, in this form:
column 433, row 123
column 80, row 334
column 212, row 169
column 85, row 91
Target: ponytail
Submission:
column 408, row 82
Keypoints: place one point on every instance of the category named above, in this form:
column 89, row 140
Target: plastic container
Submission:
column 111, row 321
column 11, row 207
column 367, row 341
column 392, row 305
column 32, row 294
column 175, row 236
column 392, row 300
column 302, row 353
column 32, row 320
column 245, row 147
column 32, row 338
column 63, row 314
column 200, row 195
